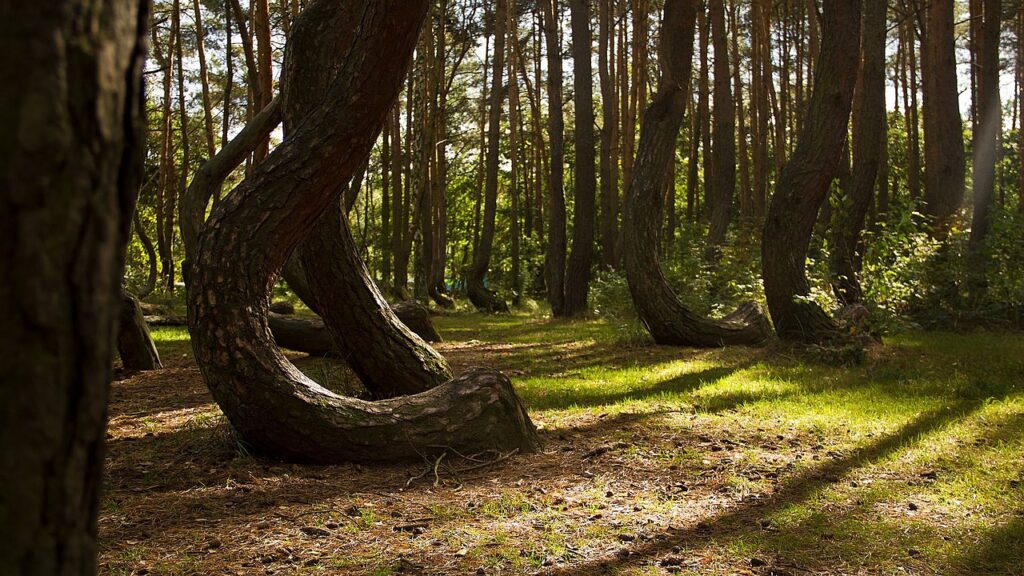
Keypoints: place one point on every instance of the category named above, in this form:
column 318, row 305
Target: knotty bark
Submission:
column 668, row 321
column 805, row 180
column 270, row 404
column 71, row 166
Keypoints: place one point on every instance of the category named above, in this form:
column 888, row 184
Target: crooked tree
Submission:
column 272, row 405
column 805, row 180
column 668, row 321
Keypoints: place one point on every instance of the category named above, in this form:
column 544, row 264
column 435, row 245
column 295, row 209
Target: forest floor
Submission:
column 656, row 460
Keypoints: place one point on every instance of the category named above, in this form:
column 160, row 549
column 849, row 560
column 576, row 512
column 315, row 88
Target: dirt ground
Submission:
column 656, row 489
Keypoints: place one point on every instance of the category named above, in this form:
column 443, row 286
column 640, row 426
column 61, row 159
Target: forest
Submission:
column 561, row 287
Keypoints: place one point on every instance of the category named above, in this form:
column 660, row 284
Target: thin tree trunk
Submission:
column 868, row 135
column 481, row 296
column 556, row 247
column 943, row 131
column 805, row 181
column 147, row 246
column 264, row 55
column 578, row 270
column 746, row 191
column 609, row 105
column 70, row 184
column 987, row 143
column 204, row 81
column 723, row 188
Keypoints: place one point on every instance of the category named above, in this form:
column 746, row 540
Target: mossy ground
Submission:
column 656, row 460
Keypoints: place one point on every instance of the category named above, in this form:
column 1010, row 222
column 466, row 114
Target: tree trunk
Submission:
column 556, row 133
column 869, row 124
column 669, row 322
column 134, row 344
column 578, row 270
column 609, row 136
column 943, row 131
column 204, row 80
column 987, row 143
column 264, row 56
column 72, row 166
column 270, row 404
column 805, row 180
column 723, row 154
column 147, row 246
column 481, row 296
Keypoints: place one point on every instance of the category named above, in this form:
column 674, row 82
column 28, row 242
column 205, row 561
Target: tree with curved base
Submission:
column 253, row 230
column 665, row 317
column 805, row 180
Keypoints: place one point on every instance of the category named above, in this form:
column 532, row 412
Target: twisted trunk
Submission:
column 272, row 405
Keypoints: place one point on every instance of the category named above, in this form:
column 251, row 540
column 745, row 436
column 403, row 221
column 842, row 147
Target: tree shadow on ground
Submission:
column 797, row 489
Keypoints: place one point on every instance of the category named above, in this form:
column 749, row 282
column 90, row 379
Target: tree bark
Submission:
column 987, row 144
column 147, row 246
column 869, row 127
column 270, row 404
column 481, row 296
column 556, row 248
column 134, row 343
column 943, row 131
column 578, row 270
column 723, row 153
column 71, row 167
column 204, row 80
column 669, row 322
column 805, row 180
column 609, row 136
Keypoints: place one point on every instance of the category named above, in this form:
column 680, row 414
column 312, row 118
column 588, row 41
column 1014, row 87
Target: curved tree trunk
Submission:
column 147, row 246
column 805, row 181
column 270, row 403
column 482, row 297
column 71, row 92
column 868, row 133
column 308, row 335
column 389, row 358
column 669, row 322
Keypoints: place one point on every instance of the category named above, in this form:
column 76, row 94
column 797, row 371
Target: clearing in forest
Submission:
column 656, row 460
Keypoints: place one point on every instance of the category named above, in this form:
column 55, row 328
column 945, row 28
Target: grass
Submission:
column 657, row 460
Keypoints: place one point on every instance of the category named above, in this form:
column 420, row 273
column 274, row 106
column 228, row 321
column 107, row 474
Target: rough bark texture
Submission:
column 943, row 130
column 389, row 358
column 668, row 321
column 555, row 264
column 578, row 270
column 272, row 405
column 134, row 344
column 805, row 180
column 308, row 335
column 869, row 127
column 481, row 297
column 70, row 168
